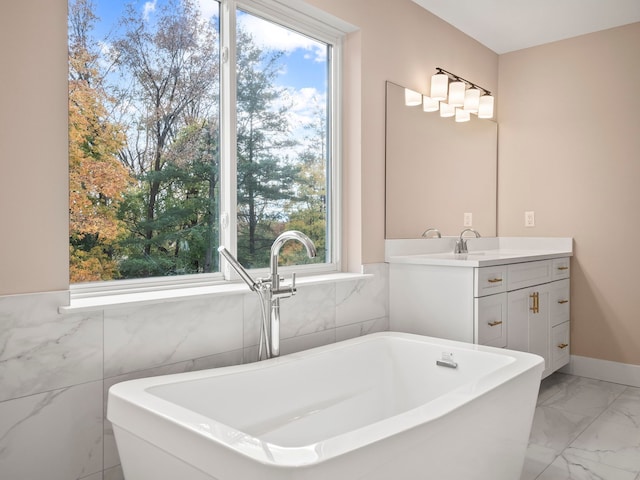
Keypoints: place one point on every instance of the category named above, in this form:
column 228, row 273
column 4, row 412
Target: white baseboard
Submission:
column 606, row 370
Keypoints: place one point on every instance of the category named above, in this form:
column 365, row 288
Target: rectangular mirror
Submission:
column 437, row 170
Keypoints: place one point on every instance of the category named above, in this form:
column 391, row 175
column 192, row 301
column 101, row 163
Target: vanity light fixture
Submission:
column 439, row 85
column 447, row 110
column 460, row 92
column 485, row 109
column 472, row 100
column 429, row 104
column 457, row 93
column 412, row 98
column 462, row 115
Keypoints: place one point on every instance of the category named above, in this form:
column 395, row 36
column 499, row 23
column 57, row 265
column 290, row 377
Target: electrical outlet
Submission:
column 529, row 219
column 468, row 219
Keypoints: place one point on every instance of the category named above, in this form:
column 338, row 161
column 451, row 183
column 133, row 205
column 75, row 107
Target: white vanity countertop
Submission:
column 483, row 252
column 485, row 258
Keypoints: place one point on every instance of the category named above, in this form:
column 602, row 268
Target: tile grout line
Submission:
column 581, row 431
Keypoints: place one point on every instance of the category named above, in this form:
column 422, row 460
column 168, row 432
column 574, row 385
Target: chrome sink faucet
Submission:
column 461, row 243
column 270, row 290
column 426, row 233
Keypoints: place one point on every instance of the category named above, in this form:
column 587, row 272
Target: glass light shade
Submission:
column 462, row 115
column 447, row 110
column 439, row 86
column 456, row 93
column 472, row 100
column 429, row 104
column 485, row 110
column 412, row 98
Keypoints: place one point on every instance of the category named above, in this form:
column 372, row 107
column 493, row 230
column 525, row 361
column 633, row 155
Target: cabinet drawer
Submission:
column 559, row 303
column 560, row 349
column 490, row 280
column 561, row 268
column 522, row 275
column 491, row 320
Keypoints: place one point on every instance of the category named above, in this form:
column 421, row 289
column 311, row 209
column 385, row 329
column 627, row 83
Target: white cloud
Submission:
column 148, row 9
column 308, row 100
column 270, row 36
column 208, row 8
column 105, row 59
column 303, row 106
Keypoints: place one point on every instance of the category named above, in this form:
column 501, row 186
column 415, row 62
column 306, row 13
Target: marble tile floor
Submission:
column 584, row 429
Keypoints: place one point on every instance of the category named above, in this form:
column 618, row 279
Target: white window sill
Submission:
column 101, row 302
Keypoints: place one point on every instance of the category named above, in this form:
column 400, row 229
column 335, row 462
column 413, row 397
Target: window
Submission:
column 194, row 124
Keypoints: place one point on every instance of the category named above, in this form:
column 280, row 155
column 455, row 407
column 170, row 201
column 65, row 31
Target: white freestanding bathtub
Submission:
column 374, row 407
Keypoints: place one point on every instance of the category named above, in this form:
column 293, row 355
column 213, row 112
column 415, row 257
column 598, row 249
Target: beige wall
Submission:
column 33, row 147
column 569, row 149
column 401, row 42
column 437, row 170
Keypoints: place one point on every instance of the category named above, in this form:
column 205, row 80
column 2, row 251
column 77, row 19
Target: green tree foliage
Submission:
column 170, row 71
column 145, row 196
column 265, row 178
column 308, row 210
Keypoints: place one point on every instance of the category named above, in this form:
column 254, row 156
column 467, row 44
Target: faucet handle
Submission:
column 284, row 291
column 461, row 246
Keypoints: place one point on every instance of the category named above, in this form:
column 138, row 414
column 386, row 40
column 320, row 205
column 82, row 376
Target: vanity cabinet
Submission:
column 521, row 306
column 490, row 316
column 539, row 322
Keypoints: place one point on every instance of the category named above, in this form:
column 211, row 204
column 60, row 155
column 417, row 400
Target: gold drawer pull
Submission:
column 494, row 280
column 563, row 301
column 493, row 324
column 563, row 268
column 563, row 345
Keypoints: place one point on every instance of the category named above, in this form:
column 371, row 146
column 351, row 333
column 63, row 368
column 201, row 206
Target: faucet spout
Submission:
column 285, row 237
column 426, row 233
column 278, row 292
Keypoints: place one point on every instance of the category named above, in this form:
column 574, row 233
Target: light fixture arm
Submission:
column 458, row 78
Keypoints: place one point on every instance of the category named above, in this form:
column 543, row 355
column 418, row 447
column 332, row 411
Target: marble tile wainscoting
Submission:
column 55, row 370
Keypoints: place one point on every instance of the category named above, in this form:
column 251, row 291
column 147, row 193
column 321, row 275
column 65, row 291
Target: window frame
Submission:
column 318, row 27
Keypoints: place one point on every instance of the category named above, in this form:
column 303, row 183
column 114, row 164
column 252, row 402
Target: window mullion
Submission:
column 334, row 188
column 228, row 126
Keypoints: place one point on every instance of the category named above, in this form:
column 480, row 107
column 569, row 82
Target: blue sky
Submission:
column 305, row 59
column 305, row 64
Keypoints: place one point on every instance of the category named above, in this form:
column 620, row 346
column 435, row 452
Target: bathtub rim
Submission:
column 153, row 414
